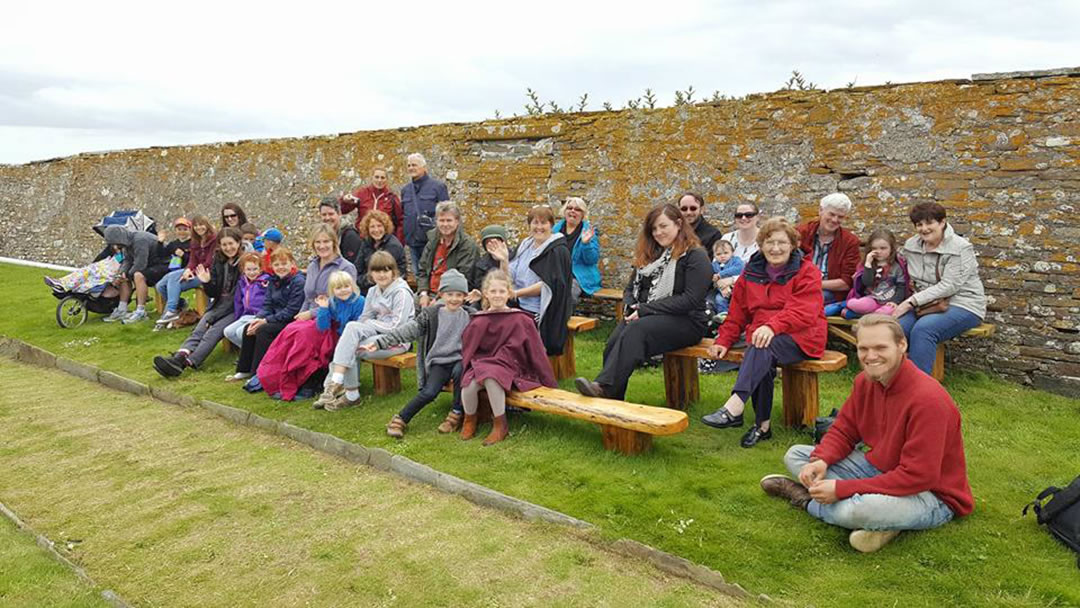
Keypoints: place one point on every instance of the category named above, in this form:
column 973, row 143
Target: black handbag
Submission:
column 1061, row 514
column 822, row 425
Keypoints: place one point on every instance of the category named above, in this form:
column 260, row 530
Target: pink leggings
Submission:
column 867, row 304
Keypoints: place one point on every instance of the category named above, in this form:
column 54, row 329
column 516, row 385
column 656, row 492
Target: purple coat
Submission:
column 249, row 295
column 505, row 345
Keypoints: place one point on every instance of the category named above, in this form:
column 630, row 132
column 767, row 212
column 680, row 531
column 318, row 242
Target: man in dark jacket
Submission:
column 834, row 251
column 138, row 247
column 692, row 206
column 349, row 239
column 447, row 247
column 418, row 200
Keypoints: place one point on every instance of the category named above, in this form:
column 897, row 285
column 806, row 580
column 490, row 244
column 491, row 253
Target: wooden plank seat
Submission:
column 799, row 381
column 840, row 328
column 565, row 365
column 615, row 295
column 625, row 427
column 386, row 373
column 159, row 306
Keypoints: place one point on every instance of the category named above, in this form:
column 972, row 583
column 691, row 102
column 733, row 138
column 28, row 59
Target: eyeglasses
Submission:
column 771, row 244
column 229, row 216
column 689, row 208
column 745, row 215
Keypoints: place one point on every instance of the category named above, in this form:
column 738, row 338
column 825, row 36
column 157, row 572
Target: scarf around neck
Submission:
column 660, row 273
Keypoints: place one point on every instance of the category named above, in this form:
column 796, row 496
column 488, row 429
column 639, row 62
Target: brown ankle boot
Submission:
column 451, row 424
column 499, row 430
column 468, row 429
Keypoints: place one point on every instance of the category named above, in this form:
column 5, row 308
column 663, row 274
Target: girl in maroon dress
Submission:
column 502, row 352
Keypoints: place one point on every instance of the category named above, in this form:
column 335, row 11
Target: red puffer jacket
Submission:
column 792, row 304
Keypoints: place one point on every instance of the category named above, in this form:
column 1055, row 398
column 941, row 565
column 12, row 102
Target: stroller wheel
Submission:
column 71, row 312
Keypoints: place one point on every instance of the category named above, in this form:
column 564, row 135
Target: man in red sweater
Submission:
column 834, row 250
column 910, row 474
column 376, row 196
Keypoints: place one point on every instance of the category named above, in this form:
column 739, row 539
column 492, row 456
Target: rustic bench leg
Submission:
column 227, row 347
column 680, row 381
column 801, row 403
column 387, row 379
column 200, row 302
column 620, row 312
column 564, row 366
column 939, row 363
column 625, row 440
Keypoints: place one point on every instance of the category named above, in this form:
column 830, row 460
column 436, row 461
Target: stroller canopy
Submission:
column 135, row 220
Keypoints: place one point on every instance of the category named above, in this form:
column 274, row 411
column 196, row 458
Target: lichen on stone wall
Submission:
column 1000, row 154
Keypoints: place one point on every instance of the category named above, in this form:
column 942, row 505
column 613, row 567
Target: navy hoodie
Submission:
column 284, row 297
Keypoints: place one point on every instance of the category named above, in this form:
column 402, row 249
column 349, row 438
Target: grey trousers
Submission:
column 204, row 338
column 357, row 334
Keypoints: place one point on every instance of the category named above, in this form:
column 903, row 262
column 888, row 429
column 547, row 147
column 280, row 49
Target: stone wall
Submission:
column 1000, row 153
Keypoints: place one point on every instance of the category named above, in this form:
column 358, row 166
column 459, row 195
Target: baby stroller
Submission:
column 74, row 306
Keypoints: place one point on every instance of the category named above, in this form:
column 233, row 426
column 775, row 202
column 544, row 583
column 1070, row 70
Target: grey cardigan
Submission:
column 955, row 258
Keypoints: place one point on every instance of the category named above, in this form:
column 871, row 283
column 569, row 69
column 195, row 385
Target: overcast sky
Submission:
column 88, row 76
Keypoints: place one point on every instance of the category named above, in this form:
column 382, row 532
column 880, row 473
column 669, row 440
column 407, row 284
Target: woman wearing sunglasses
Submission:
column 744, row 237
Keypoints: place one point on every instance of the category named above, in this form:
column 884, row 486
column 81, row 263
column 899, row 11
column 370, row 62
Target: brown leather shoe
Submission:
column 782, row 486
column 468, row 429
column 452, row 422
column 396, row 427
column 499, row 430
column 589, row 388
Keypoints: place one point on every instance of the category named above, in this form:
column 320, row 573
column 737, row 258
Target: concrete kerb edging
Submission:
column 50, row 547
column 382, row 460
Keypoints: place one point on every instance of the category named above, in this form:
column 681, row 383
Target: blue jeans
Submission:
column 170, row 287
column 833, row 309
column 720, row 303
column 925, row 333
column 920, row 511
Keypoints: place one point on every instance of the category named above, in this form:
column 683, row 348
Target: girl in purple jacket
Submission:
column 248, row 300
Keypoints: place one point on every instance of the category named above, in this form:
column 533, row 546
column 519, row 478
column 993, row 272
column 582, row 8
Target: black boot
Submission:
column 170, row 367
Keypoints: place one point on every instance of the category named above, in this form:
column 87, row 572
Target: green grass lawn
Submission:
column 29, row 578
column 179, row 508
column 695, row 494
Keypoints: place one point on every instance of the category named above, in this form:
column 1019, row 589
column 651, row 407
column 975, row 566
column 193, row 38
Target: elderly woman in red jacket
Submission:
column 777, row 301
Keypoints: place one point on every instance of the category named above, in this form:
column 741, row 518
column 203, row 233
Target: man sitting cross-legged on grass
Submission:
column 911, row 477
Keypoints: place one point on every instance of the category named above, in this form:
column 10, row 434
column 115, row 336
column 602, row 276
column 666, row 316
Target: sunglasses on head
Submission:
column 747, row 214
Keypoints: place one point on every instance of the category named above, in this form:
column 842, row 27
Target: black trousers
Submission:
column 632, row 343
column 435, row 380
column 758, row 371
column 254, row 347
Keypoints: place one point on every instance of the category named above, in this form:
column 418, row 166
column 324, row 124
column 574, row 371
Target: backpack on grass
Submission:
column 1061, row 514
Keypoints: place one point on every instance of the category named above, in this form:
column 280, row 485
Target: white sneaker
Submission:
column 117, row 315
column 134, row 317
column 168, row 315
column 237, row 377
column 868, row 541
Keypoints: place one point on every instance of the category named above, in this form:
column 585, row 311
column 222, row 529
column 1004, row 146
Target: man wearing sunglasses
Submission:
column 692, row 206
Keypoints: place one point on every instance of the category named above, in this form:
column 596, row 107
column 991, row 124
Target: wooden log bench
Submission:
column 624, row 427
column 614, row 295
column 841, row 329
column 159, row 306
column 565, row 365
column 799, row 381
column 386, row 373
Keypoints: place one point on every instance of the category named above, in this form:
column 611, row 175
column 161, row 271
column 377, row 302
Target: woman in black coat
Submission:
column 665, row 301
column 379, row 236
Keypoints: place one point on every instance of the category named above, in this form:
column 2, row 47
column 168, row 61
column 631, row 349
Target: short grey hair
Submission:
column 837, row 201
column 448, row 207
column 419, row 158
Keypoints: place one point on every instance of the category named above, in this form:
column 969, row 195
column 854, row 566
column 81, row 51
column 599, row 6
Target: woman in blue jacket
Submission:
column 584, row 247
